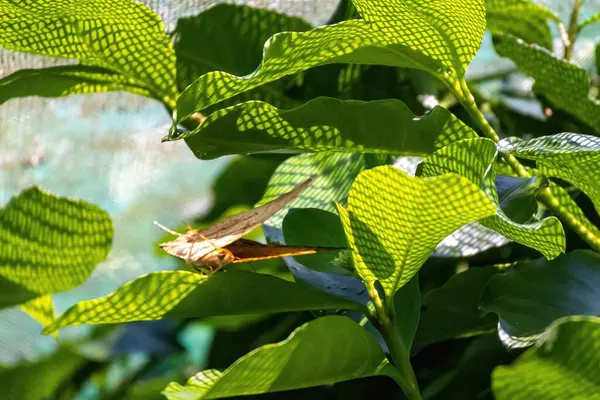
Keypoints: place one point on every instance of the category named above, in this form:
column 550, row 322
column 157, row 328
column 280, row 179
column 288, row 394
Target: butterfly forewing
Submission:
column 245, row 250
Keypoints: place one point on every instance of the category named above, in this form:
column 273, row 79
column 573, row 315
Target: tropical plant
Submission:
column 465, row 219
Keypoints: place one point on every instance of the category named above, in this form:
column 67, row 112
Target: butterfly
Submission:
column 222, row 243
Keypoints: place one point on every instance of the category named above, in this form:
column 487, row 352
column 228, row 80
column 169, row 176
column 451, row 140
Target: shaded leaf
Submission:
column 565, row 85
column 475, row 160
column 122, row 36
column 517, row 196
column 324, row 351
column 50, row 244
column 393, row 221
column 39, row 380
column 382, row 126
column 532, row 294
column 569, row 156
column 64, row 81
column 182, row 294
column 407, row 304
column 452, row 311
column 564, row 365
column 441, row 38
column 521, row 18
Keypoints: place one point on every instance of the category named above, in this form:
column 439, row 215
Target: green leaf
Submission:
column 521, row 18
column 532, row 294
column 41, row 309
column 51, row 244
column 122, row 36
column 439, row 38
column 394, row 221
column 334, row 174
column 64, row 81
column 565, row 85
column 407, row 304
column 564, row 365
column 182, row 294
column 569, row 205
column 324, row 351
column 475, row 160
column 569, row 156
column 452, row 311
column 382, row 126
column 517, row 196
column 227, row 37
column 314, row 227
column 39, row 380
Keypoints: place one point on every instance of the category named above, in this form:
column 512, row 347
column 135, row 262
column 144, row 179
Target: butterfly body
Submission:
column 222, row 243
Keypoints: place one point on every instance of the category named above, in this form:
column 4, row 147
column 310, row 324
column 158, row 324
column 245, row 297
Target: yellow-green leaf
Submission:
column 50, row 244
column 475, row 159
column 123, row 36
column 393, row 221
column 41, row 309
column 441, row 37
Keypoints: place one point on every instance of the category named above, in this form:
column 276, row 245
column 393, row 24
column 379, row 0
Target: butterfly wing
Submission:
column 234, row 227
column 245, row 250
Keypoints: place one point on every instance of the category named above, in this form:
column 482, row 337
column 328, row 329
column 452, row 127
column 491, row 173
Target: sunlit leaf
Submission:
column 182, row 294
column 565, row 85
column 475, row 160
column 569, row 156
column 51, row 244
column 122, row 36
column 452, row 311
column 383, row 126
column 532, row 294
column 521, row 18
column 65, row 80
column 564, row 365
column 41, row 309
column 334, row 173
column 324, row 351
column 393, row 221
column 440, row 37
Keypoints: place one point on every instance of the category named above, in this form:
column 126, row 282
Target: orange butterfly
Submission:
column 222, row 243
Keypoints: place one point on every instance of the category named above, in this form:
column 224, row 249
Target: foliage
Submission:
column 438, row 218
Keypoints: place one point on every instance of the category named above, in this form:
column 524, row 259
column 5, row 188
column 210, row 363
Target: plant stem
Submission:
column 572, row 30
column 463, row 94
column 386, row 323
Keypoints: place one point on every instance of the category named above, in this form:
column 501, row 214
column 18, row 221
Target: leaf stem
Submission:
column 464, row 96
column 573, row 30
column 386, row 324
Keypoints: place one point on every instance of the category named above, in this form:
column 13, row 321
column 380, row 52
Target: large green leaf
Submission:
column 532, row 294
column 324, row 351
column 383, row 126
column 441, row 37
column 569, row 156
column 65, row 80
column 227, row 37
column 39, row 380
column 49, row 244
column 452, row 310
column 565, row 85
column 122, row 36
column 475, row 160
column 521, row 18
column 394, row 221
column 564, row 365
column 407, row 306
column 333, row 172
column 182, row 294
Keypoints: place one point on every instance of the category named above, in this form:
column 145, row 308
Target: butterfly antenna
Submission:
column 164, row 228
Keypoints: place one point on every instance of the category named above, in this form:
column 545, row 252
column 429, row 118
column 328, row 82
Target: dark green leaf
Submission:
column 324, row 351
column 181, row 294
column 50, row 244
column 564, row 365
column 517, row 196
column 407, row 304
column 452, row 311
column 532, row 294
column 383, row 126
